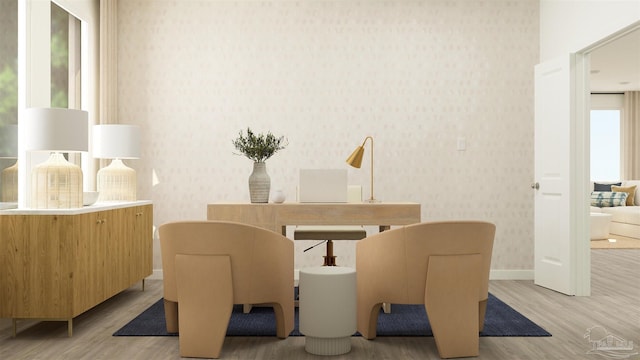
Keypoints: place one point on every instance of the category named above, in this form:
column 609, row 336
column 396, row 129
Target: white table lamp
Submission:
column 9, row 150
column 56, row 183
column 116, row 182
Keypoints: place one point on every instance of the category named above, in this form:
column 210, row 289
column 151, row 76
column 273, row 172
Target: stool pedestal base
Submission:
column 327, row 346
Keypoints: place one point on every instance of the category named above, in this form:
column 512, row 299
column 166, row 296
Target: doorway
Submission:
column 562, row 102
column 614, row 68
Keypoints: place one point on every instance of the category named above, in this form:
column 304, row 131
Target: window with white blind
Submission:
column 606, row 111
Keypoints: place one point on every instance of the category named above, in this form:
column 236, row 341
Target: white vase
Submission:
column 259, row 183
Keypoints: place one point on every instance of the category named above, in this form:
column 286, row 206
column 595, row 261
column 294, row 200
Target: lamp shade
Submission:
column 355, row 159
column 9, row 141
column 54, row 129
column 116, row 141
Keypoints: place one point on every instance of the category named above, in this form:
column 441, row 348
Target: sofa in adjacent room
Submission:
column 608, row 198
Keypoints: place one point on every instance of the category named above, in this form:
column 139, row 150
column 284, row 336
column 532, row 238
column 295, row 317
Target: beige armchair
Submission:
column 443, row 265
column 208, row 266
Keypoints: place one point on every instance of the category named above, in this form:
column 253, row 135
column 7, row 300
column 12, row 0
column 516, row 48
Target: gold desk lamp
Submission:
column 355, row 160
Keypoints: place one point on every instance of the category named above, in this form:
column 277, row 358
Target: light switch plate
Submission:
column 462, row 144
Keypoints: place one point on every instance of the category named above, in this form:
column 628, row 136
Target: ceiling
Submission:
column 615, row 67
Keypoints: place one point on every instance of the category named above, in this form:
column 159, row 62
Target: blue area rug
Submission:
column 404, row 320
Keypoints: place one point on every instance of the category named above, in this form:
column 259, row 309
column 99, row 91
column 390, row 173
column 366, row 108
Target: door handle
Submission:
column 535, row 185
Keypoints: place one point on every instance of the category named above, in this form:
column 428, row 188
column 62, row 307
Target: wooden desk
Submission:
column 276, row 217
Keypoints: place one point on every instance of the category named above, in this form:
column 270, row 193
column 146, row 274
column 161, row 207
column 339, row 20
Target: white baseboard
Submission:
column 511, row 275
column 156, row 275
column 493, row 275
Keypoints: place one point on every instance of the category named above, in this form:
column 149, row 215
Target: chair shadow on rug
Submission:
column 208, row 266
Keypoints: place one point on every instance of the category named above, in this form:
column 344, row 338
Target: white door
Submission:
column 554, row 101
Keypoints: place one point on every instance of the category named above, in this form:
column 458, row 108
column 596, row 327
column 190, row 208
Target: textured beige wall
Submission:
column 415, row 75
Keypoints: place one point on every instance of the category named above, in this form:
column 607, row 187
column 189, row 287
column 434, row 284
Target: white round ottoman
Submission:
column 600, row 225
column 327, row 308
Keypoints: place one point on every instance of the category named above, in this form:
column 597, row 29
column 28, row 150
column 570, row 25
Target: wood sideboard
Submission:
column 57, row 264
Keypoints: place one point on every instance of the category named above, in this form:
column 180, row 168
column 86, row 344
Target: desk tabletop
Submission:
column 274, row 216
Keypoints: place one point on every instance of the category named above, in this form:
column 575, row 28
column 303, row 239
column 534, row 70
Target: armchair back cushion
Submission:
column 261, row 260
column 395, row 261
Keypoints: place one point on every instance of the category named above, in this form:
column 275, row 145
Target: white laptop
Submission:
column 322, row 185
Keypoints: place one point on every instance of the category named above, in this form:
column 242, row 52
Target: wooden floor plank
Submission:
column 614, row 304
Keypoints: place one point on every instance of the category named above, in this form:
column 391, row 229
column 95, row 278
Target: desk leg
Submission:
column 386, row 307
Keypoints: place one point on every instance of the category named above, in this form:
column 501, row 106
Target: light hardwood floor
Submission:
column 614, row 304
